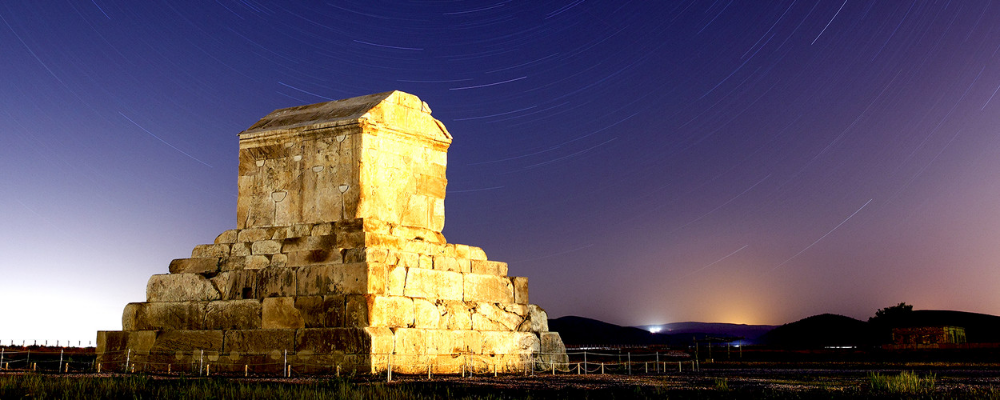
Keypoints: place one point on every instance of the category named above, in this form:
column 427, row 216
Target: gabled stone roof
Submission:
column 380, row 108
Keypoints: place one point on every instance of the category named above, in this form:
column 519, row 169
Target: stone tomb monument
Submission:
column 337, row 262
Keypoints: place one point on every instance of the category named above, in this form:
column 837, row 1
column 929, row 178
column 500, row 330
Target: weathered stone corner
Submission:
column 338, row 260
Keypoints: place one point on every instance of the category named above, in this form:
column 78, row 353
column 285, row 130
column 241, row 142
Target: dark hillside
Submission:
column 580, row 331
column 979, row 328
column 584, row 331
column 750, row 333
column 820, row 331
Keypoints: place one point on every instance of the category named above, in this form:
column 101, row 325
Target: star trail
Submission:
column 639, row 162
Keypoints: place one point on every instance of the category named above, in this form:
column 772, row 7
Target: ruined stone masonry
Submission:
column 338, row 261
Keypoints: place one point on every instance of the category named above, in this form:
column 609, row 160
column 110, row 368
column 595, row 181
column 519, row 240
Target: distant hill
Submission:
column 837, row 330
column 579, row 330
column 749, row 333
column 582, row 331
column 819, row 331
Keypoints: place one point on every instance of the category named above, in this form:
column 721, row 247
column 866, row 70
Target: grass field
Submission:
column 755, row 383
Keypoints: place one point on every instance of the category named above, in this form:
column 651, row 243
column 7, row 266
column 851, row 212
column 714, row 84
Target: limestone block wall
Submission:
column 346, row 294
column 381, row 157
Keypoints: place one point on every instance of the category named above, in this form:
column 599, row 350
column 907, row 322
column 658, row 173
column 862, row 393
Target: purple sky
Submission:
column 641, row 162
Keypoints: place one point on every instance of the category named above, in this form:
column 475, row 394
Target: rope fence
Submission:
column 288, row 363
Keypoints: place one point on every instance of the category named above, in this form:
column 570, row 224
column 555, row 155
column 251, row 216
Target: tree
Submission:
column 891, row 313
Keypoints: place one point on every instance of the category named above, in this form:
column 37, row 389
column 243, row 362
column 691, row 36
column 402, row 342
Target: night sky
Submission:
column 640, row 162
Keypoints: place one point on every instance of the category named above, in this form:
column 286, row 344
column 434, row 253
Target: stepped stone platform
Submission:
column 338, row 261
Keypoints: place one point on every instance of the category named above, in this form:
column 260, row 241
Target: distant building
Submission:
column 928, row 336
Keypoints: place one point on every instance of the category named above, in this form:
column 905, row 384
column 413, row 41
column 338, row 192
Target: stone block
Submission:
column 180, row 287
column 425, row 314
column 245, row 262
column 437, row 215
column 416, row 212
column 232, row 263
column 185, row 315
column 294, row 231
column 260, row 341
column 461, row 251
column 417, row 247
column 433, row 186
column 366, row 254
column 444, row 249
column 330, row 340
column 409, row 233
column 210, row 250
column 391, row 311
column 382, row 340
column 496, row 317
column 426, row 261
column 325, row 228
column 356, row 310
column 226, row 237
column 257, row 262
column 520, row 289
column 395, row 281
column 121, row 342
column 370, row 225
column 488, row 289
column 187, row 340
column 281, row 313
column 256, row 284
column 456, row 342
column 321, row 311
column 194, row 265
column 442, row 263
column 233, row 314
column 354, row 225
column 375, row 240
column 410, row 350
column 433, row 284
column 300, row 230
column 264, row 247
column 351, row 240
column 539, row 318
column 446, row 363
column 454, row 315
column 278, row 260
column 476, row 253
column 240, row 249
column 408, row 260
column 355, row 255
column 131, row 315
column 509, row 343
column 333, row 279
column 484, row 267
column 327, row 242
column 552, row 351
column 314, row 257
column 254, row 235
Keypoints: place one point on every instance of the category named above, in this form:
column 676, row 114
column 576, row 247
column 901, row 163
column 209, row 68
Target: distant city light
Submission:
column 655, row 329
